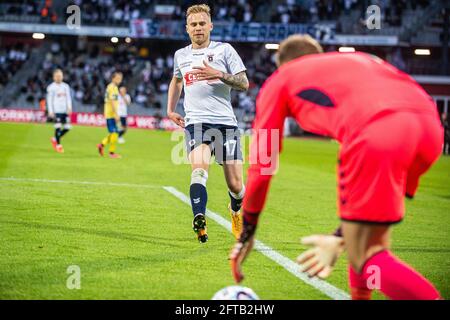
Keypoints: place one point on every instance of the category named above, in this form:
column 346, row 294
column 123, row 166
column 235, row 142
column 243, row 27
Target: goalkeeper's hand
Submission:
column 241, row 250
column 320, row 260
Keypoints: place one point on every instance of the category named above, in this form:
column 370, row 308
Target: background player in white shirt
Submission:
column 208, row 70
column 59, row 107
column 124, row 103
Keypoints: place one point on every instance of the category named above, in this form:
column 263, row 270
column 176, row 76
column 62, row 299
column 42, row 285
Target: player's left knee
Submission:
column 235, row 186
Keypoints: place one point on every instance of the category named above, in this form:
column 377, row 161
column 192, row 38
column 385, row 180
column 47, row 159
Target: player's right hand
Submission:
column 176, row 118
column 320, row 260
column 51, row 115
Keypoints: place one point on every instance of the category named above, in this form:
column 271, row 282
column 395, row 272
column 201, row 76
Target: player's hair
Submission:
column 57, row 70
column 198, row 8
column 115, row 73
column 296, row 46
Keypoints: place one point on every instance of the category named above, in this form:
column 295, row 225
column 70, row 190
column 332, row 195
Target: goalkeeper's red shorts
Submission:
column 383, row 163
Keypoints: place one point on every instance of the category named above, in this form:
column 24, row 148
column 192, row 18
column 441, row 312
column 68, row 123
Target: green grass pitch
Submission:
column 134, row 242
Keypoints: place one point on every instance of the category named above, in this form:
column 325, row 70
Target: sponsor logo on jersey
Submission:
column 190, row 78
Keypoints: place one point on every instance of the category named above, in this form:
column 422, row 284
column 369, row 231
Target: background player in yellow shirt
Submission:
column 111, row 115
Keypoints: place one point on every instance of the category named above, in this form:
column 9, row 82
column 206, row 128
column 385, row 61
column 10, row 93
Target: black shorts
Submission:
column 62, row 119
column 123, row 122
column 224, row 140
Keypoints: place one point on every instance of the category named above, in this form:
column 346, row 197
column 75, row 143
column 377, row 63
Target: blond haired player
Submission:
column 208, row 70
column 111, row 116
column 59, row 106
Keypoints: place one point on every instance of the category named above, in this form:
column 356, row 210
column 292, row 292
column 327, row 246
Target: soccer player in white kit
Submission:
column 208, row 70
column 124, row 103
column 59, row 107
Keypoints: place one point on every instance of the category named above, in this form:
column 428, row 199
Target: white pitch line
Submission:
column 112, row 184
column 323, row 286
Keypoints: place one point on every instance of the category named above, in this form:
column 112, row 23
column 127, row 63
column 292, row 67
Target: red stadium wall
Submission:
column 87, row 119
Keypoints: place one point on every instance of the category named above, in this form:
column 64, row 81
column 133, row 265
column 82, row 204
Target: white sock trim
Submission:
column 199, row 175
column 240, row 195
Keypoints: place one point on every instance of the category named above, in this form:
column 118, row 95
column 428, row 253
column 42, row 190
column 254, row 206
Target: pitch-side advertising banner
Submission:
column 88, row 119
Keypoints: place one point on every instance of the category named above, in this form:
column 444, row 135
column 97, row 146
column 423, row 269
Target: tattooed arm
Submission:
column 237, row 81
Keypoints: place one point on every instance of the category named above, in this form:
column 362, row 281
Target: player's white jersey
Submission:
column 123, row 105
column 207, row 101
column 58, row 98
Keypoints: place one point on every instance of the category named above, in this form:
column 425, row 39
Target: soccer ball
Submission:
column 235, row 293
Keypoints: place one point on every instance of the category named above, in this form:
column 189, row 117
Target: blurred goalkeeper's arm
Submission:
column 173, row 95
column 256, row 192
column 271, row 110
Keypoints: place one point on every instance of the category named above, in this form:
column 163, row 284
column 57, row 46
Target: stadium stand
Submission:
column 85, row 71
column 11, row 60
column 38, row 11
column 147, row 77
column 121, row 12
column 147, row 65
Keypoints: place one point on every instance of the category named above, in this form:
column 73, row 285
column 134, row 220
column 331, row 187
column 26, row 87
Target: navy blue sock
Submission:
column 63, row 132
column 199, row 197
column 235, row 203
column 57, row 134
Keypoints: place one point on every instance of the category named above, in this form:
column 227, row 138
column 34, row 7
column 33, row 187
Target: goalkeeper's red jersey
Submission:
column 331, row 94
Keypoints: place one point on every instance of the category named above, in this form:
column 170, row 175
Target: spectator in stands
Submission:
column 24, row 7
column 48, row 15
column 11, row 60
column 112, row 11
column 396, row 59
column 121, row 12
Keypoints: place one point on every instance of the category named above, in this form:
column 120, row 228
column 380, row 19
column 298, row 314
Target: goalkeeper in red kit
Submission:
column 389, row 133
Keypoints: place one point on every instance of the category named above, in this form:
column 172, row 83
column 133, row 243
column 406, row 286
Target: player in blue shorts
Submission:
column 208, row 70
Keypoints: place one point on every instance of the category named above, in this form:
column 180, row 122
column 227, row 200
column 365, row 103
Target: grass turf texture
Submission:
column 137, row 243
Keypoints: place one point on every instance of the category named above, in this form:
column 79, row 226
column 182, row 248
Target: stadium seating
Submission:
column 11, row 60
column 147, row 77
